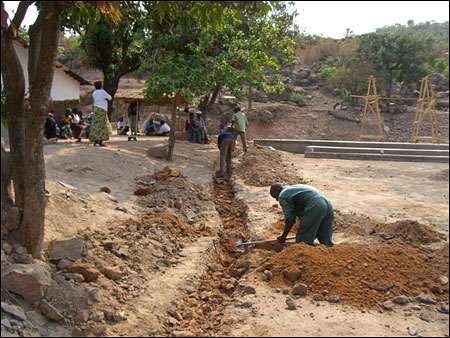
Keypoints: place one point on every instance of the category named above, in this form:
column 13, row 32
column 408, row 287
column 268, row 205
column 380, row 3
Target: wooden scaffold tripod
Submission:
column 371, row 116
column 426, row 112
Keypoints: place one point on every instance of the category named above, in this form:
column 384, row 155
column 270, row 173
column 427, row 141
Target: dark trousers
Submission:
column 226, row 151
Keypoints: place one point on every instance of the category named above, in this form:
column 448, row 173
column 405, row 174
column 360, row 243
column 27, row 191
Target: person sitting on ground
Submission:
column 76, row 127
column 164, row 129
column 65, row 124
column 120, row 125
column 150, row 128
column 311, row 206
column 51, row 129
column 226, row 143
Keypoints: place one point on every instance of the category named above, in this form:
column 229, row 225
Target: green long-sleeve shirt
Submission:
column 294, row 198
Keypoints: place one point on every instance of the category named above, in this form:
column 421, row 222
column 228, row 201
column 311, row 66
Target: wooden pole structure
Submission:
column 426, row 107
column 371, row 116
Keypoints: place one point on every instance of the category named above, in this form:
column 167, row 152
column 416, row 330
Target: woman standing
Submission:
column 101, row 127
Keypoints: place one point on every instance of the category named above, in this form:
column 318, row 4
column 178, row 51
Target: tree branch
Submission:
column 19, row 16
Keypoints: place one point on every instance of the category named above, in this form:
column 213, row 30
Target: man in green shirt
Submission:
column 311, row 206
column 239, row 123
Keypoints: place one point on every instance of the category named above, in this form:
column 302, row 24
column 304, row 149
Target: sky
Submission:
column 332, row 18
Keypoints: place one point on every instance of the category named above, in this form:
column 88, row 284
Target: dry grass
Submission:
column 326, row 47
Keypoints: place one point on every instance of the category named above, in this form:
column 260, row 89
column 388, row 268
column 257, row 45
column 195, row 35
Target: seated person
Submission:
column 51, row 128
column 65, row 125
column 150, row 128
column 164, row 129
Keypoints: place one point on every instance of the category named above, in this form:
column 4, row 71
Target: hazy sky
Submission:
column 331, row 18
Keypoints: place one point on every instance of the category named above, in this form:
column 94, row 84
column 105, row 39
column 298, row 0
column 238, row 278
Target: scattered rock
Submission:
column 7, row 248
column 300, row 290
column 105, row 189
column 30, row 281
column 388, row 306
column 402, row 300
column 249, row 290
column 79, row 278
column 443, row 280
column 334, row 299
column 242, row 264
column 216, row 267
column 412, row 331
column 69, row 248
column 290, row 304
column 143, row 191
column 318, row 298
column 267, row 276
column 291, row 275
column 14, row 311
column 178, row 203
column 89, row 272
column 425, row 299
column 51, row 312
column 444, row 308
column 113, row 273
column 24, row 259
column 158, row 151
column 183, row 334
column 64, row 263
column 82, row 316
column 425, row 317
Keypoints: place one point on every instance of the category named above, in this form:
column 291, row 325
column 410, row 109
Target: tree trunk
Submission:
column 33, row 223
column 172, row 137
column 6, row 178
column 111, row 84
column 249, row 96
column 14, row 84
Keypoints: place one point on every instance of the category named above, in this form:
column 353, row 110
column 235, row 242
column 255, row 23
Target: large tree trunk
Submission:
column 14, row 84
column 111, row 84
column 172, row 137
column 41, row 77
column 7, row 198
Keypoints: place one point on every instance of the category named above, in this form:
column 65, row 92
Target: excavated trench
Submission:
column 202, row 312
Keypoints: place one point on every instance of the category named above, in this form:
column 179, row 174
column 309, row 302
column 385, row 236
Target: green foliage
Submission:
column 326, row 72
column 298, row 99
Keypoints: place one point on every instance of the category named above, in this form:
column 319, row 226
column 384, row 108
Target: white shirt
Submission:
column 100, row 96
column 76, row 119
column 164, row 128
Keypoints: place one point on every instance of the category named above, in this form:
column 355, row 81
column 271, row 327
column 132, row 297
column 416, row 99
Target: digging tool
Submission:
column 240, row 245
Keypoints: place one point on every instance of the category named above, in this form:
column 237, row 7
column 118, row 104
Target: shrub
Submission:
column 298, row 99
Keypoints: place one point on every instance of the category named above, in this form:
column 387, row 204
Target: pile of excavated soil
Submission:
column 349, row 270
column 261, row 167
column 410, row 232
column 173, row 192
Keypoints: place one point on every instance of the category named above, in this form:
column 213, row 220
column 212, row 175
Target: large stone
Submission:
column 30, row 281
column 292, row 274
column 51, row 312
column 402, row 300
column 159, row 151
column 300, row 290
column 14, row 311
column 68, row 248
column 303, row 74
column 89, row 272
column 113, row 273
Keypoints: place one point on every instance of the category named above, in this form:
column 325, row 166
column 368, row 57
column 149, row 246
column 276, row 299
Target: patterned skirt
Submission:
column 101, row 127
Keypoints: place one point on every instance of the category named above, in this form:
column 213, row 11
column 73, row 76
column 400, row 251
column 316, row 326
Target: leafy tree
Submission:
column 114, row 46
column 393, row 56
column 185, row 51
column 25, row 128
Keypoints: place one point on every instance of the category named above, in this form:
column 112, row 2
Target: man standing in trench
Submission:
column 311, row 206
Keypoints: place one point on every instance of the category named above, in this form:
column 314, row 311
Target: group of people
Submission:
column 196, row 126
column 72, row 125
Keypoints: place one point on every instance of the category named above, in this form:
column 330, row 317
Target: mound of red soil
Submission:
column 351, row 271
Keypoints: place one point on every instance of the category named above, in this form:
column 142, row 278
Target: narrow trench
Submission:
column 201, row 313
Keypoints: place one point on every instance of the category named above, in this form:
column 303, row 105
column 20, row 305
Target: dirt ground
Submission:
column 199, row 289
column 166, row 234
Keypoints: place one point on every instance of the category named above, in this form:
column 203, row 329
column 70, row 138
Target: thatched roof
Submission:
column 129, row 95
